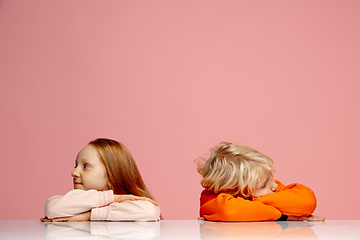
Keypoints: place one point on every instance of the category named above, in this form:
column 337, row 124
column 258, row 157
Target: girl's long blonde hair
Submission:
column 234, row 169
column 123, row 174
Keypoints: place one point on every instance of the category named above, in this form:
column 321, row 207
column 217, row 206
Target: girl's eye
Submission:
column 86, row 166
column 264, row 185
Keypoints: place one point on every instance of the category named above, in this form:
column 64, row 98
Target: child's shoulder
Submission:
column 207, row 195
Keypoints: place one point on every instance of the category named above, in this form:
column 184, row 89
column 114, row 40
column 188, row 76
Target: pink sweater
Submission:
column 102, row 206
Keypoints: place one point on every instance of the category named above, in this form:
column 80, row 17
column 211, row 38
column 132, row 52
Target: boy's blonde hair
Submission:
column 234, row 169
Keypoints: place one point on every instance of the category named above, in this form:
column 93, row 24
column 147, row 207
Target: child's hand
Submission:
column 80, row 217
column 305, row 218
column 121, row 198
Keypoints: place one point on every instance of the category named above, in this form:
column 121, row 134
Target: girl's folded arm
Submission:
column 127, row 211
column 76, row 201
column 228, row 208
column 293, row 200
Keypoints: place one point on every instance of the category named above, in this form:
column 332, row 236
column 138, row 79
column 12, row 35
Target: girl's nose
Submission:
column 75, row 173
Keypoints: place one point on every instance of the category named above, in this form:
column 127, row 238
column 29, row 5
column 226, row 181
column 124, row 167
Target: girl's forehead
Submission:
column 88, row 152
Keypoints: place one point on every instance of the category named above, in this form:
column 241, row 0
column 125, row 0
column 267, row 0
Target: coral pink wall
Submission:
column 171, row 79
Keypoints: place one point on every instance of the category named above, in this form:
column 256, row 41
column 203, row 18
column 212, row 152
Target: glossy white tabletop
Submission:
column 179, row 229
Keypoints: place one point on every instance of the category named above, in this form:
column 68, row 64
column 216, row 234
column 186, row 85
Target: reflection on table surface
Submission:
column 258, row 230
column 179, row 229
column 102, row 230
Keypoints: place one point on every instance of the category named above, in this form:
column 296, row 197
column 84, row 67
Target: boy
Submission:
column 239, row 186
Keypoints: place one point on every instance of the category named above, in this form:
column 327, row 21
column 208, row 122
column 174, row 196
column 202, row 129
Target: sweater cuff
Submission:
column 99, row 214
column 105, row 198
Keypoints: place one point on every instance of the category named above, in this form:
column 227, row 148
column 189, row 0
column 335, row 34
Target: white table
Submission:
column 179, row 229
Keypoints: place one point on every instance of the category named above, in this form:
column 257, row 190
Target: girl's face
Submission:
column 266, row 184
column 90, row 172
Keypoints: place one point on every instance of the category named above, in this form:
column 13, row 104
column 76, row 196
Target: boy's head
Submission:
column 236, row 170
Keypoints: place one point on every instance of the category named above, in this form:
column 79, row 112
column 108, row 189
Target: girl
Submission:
column 239, row 186
column 107, row 186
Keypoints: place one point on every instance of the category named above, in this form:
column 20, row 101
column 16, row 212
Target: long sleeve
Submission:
column 77, row 201
column 227, row 208
column 127, row 211
column 293, row 200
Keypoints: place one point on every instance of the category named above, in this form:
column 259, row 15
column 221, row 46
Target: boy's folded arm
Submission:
column 293, row 200
column 228, row 208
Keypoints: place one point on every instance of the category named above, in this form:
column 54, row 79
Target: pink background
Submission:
column 170, row 80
